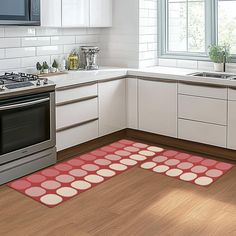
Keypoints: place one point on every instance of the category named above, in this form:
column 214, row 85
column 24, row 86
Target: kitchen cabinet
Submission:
column 75, row 13
column 158, row 106
column 232, row 120
column 51, row 13
column 100, row 13
column 112, row 106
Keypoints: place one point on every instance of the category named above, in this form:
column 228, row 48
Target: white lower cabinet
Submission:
column 112, row 106
column 232, row 120
column 77, row 135
column 157, row 107
column 202, row 132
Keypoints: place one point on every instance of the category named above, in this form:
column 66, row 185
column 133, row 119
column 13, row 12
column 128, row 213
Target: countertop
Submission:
column 106, row 73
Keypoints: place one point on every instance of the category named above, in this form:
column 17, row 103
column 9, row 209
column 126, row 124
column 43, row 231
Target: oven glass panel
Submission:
column 24, row 127
column 14, row 10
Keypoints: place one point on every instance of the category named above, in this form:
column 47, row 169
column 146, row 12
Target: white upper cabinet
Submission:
column 100, row 13
column 158, row 107
column 75, row 13
column 51, row 13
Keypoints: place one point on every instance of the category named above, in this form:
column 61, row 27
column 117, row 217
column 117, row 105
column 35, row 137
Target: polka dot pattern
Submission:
column 63, row 181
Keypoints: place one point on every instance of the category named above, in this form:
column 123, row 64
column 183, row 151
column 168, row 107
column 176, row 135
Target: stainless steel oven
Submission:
column 27, row 125
column 20, row 12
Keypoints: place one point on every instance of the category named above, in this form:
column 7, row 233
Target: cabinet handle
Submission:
column 76, row 100
column 203, row 84
column 76, row 86
column 160, row 80
column 111, row 79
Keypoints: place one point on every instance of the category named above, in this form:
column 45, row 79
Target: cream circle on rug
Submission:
column 131, row 149
column 51, row 184
column 140, row 145
column 214, row 173
column 35, row 192
column 90, row 167
column 161, row 169
column 118, row 167
column 65, row 178
column 159, row 159
column 128, row 162
column 94, row 179
column 81, row 185
column 51, row 199
column 102, row 162
column 113, row 157
column 185, row 165
column 203, row 181
column 172, row 162
column 106, row 173
column 188, row 176
column 67, row 192
column 174, row 172
column 155, row 149
column 147, row 153
column 199, row 169
column 78, row 173
column 137, row 157
column 122, row 153
column 148, row 165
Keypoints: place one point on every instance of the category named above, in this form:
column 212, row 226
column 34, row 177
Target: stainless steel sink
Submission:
column 214, row 75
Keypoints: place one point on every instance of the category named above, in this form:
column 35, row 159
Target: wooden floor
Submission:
column 137, row 202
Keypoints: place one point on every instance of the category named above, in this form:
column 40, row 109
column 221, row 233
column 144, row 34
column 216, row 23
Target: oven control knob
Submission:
column 2, row 88
column 38, row 82
column 45, row 81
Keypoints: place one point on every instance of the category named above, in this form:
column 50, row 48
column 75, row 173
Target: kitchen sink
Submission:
column 214, row 75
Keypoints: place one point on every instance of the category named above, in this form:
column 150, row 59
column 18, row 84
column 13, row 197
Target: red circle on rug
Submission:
column 199, row 169
column 170, row 153
column 182, row 156
column 20, row 184
column 131, row 149
column 122, row 153
column 75, row 162
column 90, row 167
column 102, row 162
column 87, row 157
column 50, row 172
column 50, row 184
column 195, row 159
column 36, row 178
column 117, row 145
column 159, row 159
column 214, row 173
column 126, row 142
column 140, row 145
column 65, row 178
column 208, row 162
column 113, row 157
column 63, row 167
column 78, row 173
column 185, row 165
column 108, row 149
column 98, row 153
column 172, row 162
column 224, row 166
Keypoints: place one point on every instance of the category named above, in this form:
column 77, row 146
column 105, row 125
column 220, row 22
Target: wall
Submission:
column 22, row 47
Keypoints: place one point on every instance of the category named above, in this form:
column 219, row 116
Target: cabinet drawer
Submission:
column 75, row 113
column 202, row 132
column 75, row 136
column 203, row 91
column 76, row 93
column 202, row 109
column 232, row 94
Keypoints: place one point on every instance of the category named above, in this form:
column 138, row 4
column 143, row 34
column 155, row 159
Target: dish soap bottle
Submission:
column 73, row 61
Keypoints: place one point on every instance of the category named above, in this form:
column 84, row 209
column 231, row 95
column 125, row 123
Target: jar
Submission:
column 73, row 61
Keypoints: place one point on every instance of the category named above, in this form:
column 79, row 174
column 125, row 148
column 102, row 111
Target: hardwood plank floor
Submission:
column 137, row 202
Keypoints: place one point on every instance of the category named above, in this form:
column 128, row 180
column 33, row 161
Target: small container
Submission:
column 73, row 61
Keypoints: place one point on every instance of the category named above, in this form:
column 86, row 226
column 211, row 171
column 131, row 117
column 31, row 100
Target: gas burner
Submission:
column 18, row 77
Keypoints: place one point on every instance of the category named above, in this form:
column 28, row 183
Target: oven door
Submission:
column 27, row 126
column 20, row 12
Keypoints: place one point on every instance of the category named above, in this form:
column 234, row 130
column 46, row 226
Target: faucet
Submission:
column 224, row 60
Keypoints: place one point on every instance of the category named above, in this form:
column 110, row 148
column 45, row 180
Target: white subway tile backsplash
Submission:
column 2, row 53
column 20, row 52
column 60, row 40
column 35, row 41
column 9, row 42
column 9, row 64
column 19, row 31
column 1, row 32
column 49, row 50
column 31, row 61
column 48, row 31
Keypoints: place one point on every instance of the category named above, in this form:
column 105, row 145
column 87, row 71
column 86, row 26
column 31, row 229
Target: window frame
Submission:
column 211, row 32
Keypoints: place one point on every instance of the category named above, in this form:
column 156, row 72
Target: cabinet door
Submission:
column 232, row 125
column 112, row 106
column 51, row 13
column 75, row 13
column 100, row 13
column 158, row 107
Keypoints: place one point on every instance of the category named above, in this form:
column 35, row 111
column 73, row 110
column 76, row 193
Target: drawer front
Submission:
column 76, row 93
column 75, row 113
column 75, row 136
column 202, row 132
column 232, row 94
column 203, row 109
column 232, row 125
column 203, row 91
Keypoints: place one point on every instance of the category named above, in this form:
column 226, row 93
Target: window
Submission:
column 188, row 27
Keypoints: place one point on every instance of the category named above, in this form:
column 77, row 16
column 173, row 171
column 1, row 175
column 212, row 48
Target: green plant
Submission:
column 216, row 53
column 38, row 66
column 55, row 64
column 45, row 66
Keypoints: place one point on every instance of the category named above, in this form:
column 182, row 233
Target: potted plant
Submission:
column 39, row 68
column 54, row 67
column 219, row 55
column 45, row 67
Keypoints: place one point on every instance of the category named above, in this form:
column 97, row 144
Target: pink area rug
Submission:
column 194, row 169
column 63, row 181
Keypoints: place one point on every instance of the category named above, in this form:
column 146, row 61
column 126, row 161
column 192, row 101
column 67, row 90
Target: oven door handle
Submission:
column 9, row 107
